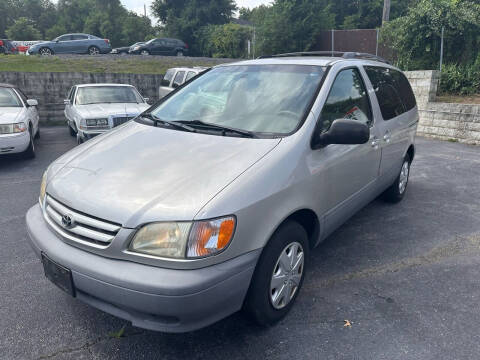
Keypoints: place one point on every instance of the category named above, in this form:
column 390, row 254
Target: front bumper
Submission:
column 14, row 143
column 150, row 297
column 89, row 134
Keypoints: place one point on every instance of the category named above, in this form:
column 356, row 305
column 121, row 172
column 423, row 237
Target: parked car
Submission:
column 19, row 122
column 7, row 47
column 124, row 50
column 212, row 200
column 93, row 109
column 72, row 44
column 163, row 46
column 177, row 76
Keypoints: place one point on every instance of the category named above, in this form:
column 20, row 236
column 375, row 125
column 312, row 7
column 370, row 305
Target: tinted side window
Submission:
column 389, row 91
column 168, row 77
column 178, row 79
column 65, row 38
column 406, row 92
column 71, row 94
column 348, row 99
column 79, row 37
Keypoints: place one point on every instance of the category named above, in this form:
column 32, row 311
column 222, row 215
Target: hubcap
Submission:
column 287, row 275
column 402, row 184
column 94, row 51
column 144, row 52
column 45, row 52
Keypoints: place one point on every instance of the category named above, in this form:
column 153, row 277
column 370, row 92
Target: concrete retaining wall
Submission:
column 445, row 121
column 50, row 89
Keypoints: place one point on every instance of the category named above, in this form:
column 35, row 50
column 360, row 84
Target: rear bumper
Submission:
column 14, row 143
column 171, row 300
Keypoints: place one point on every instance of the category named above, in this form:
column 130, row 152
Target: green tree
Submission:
column 226, row 41
column 136, row 28
column 184, row 18
column 416, row 36
column 23, row 29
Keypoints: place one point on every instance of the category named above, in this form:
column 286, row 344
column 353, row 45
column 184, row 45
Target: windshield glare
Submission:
column 257, row 98
column 8, row 98
column 107, row 94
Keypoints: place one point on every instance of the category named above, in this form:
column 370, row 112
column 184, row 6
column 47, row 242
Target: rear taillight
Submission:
column 107, row 41
column 1, row 43
column 186, row 46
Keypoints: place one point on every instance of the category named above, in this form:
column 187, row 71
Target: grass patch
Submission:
column 101, row 64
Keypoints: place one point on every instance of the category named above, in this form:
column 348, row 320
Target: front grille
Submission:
column 121, row 120
column 79, row 227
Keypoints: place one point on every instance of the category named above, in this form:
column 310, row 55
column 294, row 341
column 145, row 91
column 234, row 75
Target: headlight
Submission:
column 43, row 189
column 13, row 128
column 184, row 239
column 97, row 122
column 136, row 48
column 114, row 51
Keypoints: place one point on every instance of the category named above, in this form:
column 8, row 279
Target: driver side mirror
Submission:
column 32, row 102
column 66, row 102
column 146, row 100
column 345, row 132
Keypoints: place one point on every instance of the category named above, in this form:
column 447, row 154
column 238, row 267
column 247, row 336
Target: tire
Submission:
column 179, row 53
column 73, row 132
column 397, row 190
column 144, row 52
column 37, row 135
column 93, row 50
column 30, row 152
column 45, row 51
column 79, row 140
column 264, row 303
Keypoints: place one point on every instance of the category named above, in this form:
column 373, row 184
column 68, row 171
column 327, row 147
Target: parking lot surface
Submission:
column 406, row 276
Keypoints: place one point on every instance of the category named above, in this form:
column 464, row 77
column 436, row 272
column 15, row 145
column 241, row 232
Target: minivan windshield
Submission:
column 268, row 99
column 107, row 94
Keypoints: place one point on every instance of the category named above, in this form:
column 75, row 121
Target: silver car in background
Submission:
column 93, row 109
column 211, row 201
column 176, row 77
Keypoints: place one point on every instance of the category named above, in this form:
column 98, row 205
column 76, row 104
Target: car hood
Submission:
column 10, row 115
column 139, row 174
column 105, row 110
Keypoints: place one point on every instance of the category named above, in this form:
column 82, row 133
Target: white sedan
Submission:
column 18, row 122
column 93, row 109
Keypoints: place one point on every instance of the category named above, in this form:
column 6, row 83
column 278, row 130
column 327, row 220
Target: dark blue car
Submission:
column 72, row 44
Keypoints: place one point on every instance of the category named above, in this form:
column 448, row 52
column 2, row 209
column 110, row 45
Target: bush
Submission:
column 460, row 79
column 223, row 41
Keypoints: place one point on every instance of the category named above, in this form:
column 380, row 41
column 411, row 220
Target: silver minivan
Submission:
column 211, row 200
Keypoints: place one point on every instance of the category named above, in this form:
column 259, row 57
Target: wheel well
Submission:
column 411, row 152
column 309, row 220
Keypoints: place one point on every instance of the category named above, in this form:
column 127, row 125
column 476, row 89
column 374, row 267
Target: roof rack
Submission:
column 342, row 54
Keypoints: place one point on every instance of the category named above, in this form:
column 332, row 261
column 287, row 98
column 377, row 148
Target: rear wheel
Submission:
column 144, row 52
column 179, row 53
column 279, row 275
column 93, row 50
column 396, row 191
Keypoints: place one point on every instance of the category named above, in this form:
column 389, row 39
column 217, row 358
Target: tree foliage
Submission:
column 184, row 18
column 23, row 29
column 222, row 41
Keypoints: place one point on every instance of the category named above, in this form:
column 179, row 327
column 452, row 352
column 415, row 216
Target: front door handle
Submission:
column 374, row 142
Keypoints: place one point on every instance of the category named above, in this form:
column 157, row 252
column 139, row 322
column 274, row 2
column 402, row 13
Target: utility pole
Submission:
column 386, row 11
column 145, row 10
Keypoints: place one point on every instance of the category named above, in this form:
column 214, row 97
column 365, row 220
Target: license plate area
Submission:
column 58, row 274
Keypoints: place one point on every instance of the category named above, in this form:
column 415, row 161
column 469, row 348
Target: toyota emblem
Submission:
column 67, row 221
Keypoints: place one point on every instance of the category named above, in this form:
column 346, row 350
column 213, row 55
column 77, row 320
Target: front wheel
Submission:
column 279, row 275
column 30, row 152
column 93, row 50
column 73, row 132
column 396, row 191
column 179, row 53
column 144, row 52
column 45, row 51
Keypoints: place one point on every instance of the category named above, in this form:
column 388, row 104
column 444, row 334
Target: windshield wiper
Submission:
column 222, row 128
column 176, row 124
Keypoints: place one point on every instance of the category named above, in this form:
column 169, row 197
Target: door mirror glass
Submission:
column 32, row 102
column 346, row 132
column 66, row 102
column 146, row 100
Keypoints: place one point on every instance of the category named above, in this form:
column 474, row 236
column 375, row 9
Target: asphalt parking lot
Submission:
column 406, row 276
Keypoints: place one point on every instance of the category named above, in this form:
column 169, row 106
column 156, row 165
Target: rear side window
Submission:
column 79, row 37
column 347, row 99
column 178, row 79
column 168, row 77
column 393, row 91
column 190, row 75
